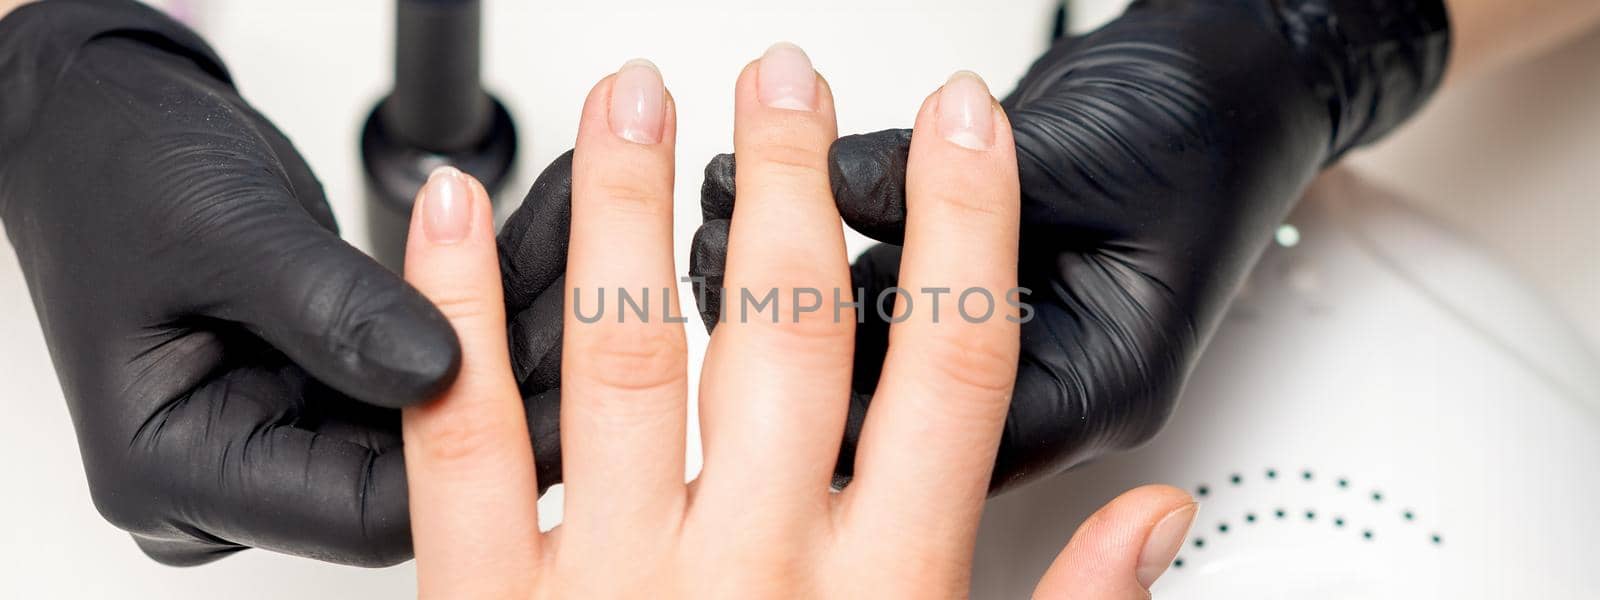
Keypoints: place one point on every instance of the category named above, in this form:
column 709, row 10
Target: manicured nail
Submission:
column 966, row 112
column 446, row 206
column 1165, row 540
column 638, row 102
column 786, row 80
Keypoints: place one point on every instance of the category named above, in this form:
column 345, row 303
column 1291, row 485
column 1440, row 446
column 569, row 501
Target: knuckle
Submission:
column 788, row 157
column 810, row 340
column 633, row 194
column 462, row 305
column 961, row 204
column 974, row 192
column 817, row 326
column 781, row 319
column 980, row 366
column 641, row 359
column 458, row 436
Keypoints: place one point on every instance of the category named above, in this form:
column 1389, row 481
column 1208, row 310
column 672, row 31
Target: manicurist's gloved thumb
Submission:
column 350, row 322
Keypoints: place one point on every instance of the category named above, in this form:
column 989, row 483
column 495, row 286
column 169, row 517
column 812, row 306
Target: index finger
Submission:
column 469, row 463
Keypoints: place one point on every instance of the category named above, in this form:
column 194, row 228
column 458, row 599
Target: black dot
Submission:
column 1202, row 490
column 1344, row 483
column 1338, row 521
column 1178, row 563
column 1272, row 474
column 1251, row 517
column 1306, row 475
column 1437, row 539
column 1222, row 528
column 1377, row 496
column 1311, row 515
column 1236, row 479
column 1367, row 534
column 1279, row 513
column 1410, row 516
column 1199, row 542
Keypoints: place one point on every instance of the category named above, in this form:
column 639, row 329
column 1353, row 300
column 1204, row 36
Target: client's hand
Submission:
column 760, row 521
column 1157, row 155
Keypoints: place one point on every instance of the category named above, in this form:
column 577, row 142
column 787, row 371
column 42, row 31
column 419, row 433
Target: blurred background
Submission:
column 1509, row 159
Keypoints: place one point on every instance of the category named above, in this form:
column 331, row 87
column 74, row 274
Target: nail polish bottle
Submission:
column 437, row 114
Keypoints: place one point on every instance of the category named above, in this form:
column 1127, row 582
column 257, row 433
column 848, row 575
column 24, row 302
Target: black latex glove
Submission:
column 533, row 267
column 230, row 364
column 1157, row 155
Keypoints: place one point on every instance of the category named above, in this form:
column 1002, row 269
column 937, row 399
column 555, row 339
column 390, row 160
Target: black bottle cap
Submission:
column 438, row 103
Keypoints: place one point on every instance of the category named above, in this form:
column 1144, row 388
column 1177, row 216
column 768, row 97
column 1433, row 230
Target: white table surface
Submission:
column 1509, row 158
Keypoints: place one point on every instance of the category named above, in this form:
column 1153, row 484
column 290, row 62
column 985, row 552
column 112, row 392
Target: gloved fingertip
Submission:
column 405, row 357
column 868, row 176
column 708, row 255
column 533, row 241
column 717, row 192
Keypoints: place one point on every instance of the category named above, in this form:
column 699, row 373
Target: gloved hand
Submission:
column 1157, row 155
column 230, row 364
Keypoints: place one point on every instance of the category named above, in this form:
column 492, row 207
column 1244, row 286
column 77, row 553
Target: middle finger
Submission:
column 777, row 375
column 624, row 364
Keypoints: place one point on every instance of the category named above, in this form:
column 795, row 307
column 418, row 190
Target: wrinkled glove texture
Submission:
column 231, row 366
column 1157, row 155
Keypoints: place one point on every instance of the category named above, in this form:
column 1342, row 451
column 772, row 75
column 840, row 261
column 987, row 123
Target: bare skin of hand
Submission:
column 760, row 521
column 6, row 6
column 1492, row 34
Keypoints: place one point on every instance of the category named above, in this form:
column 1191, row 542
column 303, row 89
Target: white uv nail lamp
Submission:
column 1386, row 412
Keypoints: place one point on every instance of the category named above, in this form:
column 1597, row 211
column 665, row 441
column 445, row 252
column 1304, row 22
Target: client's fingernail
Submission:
column 446, row 206
column 1166, row 538
column 785, row 78
column 638, row 102
column 966, row 112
